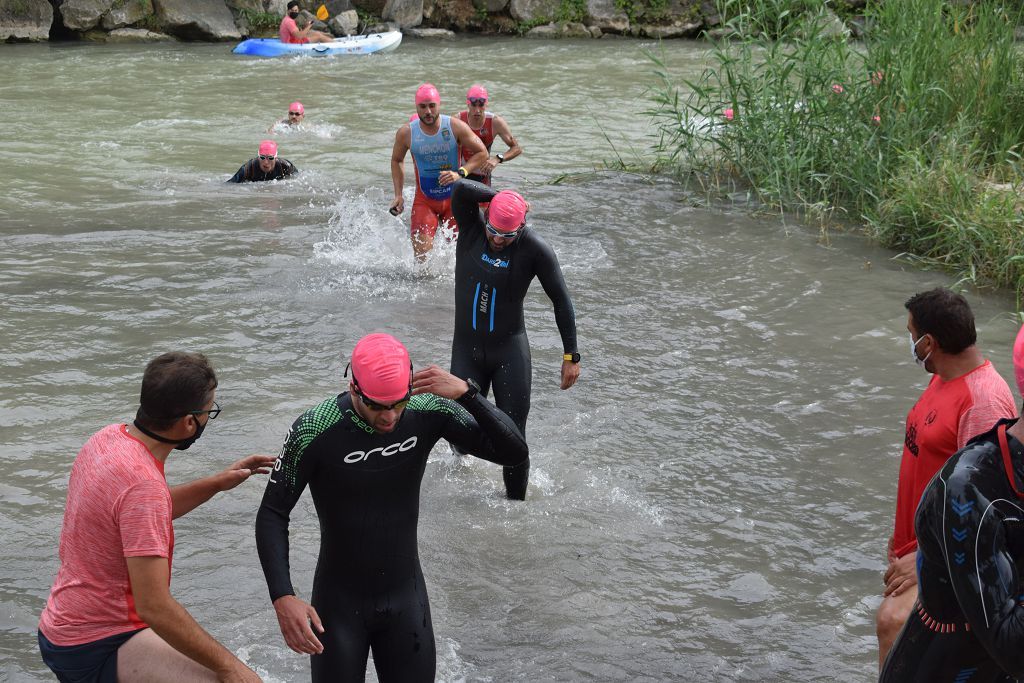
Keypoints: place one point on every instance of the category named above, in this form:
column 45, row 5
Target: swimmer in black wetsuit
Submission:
column 497, row 257
column 968, row 623
column 266, row 166
column 363, row 454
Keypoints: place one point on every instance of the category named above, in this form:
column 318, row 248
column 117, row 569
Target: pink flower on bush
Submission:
column 837, row 88
column 876, row 78
column 729, row 114
column 876, row 119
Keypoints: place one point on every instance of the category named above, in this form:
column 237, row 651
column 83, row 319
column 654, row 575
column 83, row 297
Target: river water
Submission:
column 710, row 503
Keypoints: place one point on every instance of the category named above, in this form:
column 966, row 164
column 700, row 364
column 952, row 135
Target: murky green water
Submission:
column 710, row 503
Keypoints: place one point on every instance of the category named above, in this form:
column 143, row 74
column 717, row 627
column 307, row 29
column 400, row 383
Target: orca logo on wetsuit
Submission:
column 397, row 447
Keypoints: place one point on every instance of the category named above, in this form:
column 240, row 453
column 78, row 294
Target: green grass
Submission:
column 916, row 133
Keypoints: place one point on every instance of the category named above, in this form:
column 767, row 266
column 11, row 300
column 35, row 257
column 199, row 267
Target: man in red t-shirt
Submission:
column 289, row 31
column 964, row 398
column 110, row 610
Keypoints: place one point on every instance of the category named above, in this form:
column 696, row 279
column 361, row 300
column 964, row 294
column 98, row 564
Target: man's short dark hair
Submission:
column 173, row 385
column 292, row 4
column 944, row 315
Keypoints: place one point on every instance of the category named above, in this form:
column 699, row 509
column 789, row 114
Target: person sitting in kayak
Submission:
column 290, row 32
column 266, row 166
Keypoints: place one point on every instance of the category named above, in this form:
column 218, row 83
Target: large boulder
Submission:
column 405, row 13
column 136, row 35
column 197, row 19
column 678, row 29
column 344, row 23
column 25, row 20
column 431, row 33
column 533, row 10
column 495, row 6
column 82, row 15
column 127, row 14
column 606, row 16
column 374, row 7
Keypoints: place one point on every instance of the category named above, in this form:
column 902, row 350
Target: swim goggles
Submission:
column 475, row 102
column 295, row 113
column 506, row 235
column 268, row 157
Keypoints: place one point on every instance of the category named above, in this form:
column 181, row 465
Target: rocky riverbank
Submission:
column 229, row 20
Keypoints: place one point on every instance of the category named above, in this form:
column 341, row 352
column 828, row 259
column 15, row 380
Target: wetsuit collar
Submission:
column 1004, row 449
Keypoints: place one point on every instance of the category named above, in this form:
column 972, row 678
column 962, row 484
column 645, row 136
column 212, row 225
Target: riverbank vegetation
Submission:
column 916, row 132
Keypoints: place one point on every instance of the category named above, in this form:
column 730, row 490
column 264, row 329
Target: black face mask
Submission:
column 293, row 14
column 179, row 445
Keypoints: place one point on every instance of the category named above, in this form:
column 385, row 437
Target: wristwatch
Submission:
column 462, row 171
column 500, row 158
column 471, row 393
column 574, row 357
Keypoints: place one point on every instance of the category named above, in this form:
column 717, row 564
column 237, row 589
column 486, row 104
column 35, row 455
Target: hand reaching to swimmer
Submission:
column 434, row 380
column 447, row 177
column 242, row 469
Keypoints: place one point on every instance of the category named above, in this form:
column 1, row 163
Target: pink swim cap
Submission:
column 381, row 368
column 268, row 147
column 1018, row 360
column 476, row 92
column 297, row 107
column 427, row 93
column 507, row 211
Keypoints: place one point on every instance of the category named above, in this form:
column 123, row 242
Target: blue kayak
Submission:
column 350, row 45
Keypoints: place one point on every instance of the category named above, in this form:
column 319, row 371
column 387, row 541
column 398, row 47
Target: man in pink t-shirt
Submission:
column 289, row 31
column 964, row 398
column 110, row 610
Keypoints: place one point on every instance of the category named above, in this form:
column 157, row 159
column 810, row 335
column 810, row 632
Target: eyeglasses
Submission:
column 212, row 412
column 473, row 101
column 506, row 235
column 295, row 113
column 268, row 157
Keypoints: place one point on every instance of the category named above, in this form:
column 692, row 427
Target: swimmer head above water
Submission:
column 428, row 104
column 381, row 380
column 506, row 216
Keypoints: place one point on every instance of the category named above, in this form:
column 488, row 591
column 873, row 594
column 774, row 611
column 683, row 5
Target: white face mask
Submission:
column 913, row 349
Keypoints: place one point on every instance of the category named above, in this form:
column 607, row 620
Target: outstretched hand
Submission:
column 570, row 373
column 242, row 469
column 434, row 380
column 294, row 617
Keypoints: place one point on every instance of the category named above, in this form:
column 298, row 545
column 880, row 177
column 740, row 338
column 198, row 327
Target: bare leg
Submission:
column 891, row 616
column 422, row 243
column 147, row 658
column 319, row 37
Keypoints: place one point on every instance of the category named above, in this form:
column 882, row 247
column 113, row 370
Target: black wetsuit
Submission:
column 968, row 623
column 490, row 344
column 250, row 171
column 368, row 588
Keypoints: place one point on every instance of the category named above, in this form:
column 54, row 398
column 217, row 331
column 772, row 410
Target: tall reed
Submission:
column 916, row 132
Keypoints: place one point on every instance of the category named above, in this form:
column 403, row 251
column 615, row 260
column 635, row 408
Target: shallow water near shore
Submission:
column 710, row 503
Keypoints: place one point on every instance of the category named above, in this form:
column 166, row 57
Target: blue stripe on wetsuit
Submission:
column 494, row 301
column 476, row 298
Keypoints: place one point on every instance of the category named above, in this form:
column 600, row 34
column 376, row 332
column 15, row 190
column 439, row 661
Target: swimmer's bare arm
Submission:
column 514, row 150
column 468, row 140
column 187, row 497
column 403, row 139
column 149, row 578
